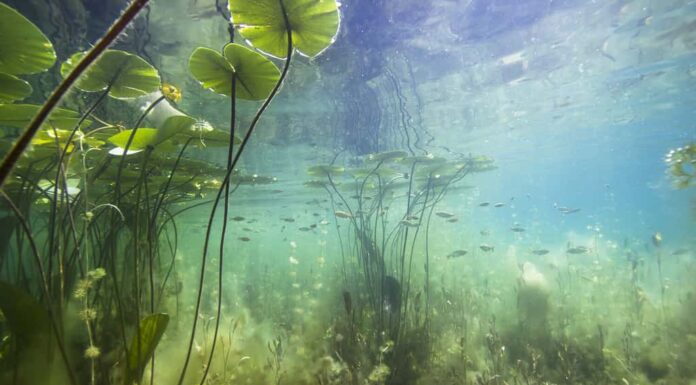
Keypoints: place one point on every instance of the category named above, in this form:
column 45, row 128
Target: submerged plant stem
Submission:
column 228, row 175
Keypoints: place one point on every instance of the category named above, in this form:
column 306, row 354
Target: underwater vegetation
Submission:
column 124, row 256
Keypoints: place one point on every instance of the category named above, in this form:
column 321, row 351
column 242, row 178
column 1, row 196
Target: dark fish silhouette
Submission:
column 391, row 294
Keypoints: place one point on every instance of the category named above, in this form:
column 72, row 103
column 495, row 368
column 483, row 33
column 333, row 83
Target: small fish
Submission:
column 247, row 229
column 485, row 233
column 452, row 220
column 342, row 214
column 577, row 250
column 244, row 239
column 313, row 226
column 456, row 254
column 316, row 214
column 517, row 229
column 540, row 252
column 238, row 219
column 304, row 228
column 499, row 204
column 408, row 223
column 484, row 204
column 680, row 252
column 444, row 214
column 412, row 218
column 289, row 220
column 487, row 248
column 657, row 239
column 276, row 191
column 567, row 210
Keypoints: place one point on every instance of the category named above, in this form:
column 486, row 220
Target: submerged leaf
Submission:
column 129, row 75
column 24, row 49
column 255, row 75
column 143, row 346
column 313, row 23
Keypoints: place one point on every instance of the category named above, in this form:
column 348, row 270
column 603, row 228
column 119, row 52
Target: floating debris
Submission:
column 324, row 222
column 342, row 214
column 444, row 214
column 484, row 204
column 487, row 248
column 293, row 261
column 499, row 204
column 244, row 239
column 457, row 254
column 540, row 252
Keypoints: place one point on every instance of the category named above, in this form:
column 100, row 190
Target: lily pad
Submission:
column 13, row 88
column 313, row 24
column 143, row 138
column 24, row 49
column 143, row 346
column 255, row 75
column 129, row 75
column 19, row 116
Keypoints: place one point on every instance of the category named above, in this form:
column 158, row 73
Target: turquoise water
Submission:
column 450, row 192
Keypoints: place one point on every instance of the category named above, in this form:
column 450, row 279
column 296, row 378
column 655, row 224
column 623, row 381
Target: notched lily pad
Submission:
column 129, row 75
column 313, row 24
column 255, row 75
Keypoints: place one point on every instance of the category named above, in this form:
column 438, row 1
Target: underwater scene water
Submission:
column 368, row 192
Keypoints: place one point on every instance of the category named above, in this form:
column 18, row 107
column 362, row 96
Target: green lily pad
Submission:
column 143, row 346
column 313, row 23
column 255, row 75
column 19, row 116
column 13, row 88
column 129, row 75
column 143, row 138
column 24, row 49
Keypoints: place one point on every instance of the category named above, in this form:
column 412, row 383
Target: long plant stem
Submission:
column 228, row 175
column 93, row 54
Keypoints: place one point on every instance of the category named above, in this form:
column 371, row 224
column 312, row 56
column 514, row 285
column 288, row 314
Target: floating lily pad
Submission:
column 313, row 23
column 24, row 49
column 255, row 75
column 143, row 346
column 19, row 116
column 129, row 75
column 13, row 88
column 143, row 138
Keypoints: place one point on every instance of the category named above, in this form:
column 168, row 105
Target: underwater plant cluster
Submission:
column 140, row 245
